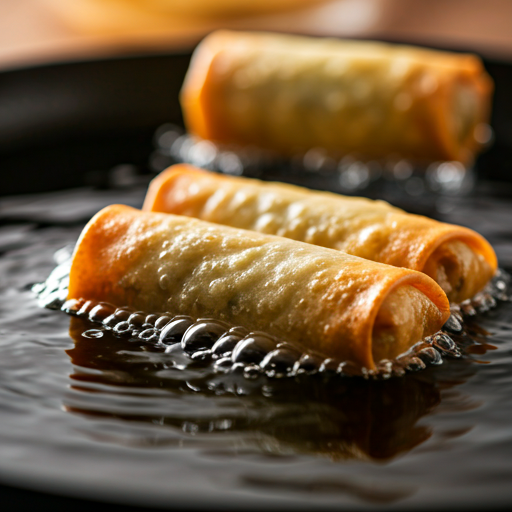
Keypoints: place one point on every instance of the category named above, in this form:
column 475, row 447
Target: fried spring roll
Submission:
column 340, row 305
column 289, row 94
column 458, row 258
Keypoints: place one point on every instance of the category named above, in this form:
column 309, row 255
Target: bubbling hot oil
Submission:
column 228, row 348
column 360, row 423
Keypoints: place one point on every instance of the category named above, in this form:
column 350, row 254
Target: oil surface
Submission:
column 86, row 413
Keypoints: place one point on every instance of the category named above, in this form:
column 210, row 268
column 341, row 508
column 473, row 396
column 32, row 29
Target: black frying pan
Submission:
column 62, row 124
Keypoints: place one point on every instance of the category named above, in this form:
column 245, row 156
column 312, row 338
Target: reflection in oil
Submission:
column 342, row 418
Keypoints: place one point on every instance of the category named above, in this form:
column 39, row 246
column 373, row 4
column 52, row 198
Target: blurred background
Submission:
column 35, row 31
column 84, row 84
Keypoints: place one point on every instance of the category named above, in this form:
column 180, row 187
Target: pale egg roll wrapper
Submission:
column 325, row 300
column 458, row 258
column 289, row 94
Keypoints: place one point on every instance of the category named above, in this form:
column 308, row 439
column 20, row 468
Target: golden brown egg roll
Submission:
column 325, row 300
column 289, row 94
column 458, row 258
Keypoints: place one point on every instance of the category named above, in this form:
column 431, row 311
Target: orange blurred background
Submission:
column 36, row 31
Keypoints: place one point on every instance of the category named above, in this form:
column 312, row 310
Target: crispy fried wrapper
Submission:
column 325, row 300
column 289, row 94
column 458, row 258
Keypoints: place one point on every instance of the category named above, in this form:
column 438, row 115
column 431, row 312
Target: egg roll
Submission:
column 457, row 258
column 289, row 94
column 325, row 300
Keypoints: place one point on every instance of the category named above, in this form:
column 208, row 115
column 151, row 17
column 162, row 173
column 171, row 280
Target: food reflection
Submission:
column 342, row 418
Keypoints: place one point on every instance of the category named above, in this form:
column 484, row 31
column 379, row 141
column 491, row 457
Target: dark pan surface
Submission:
column 96, row 420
